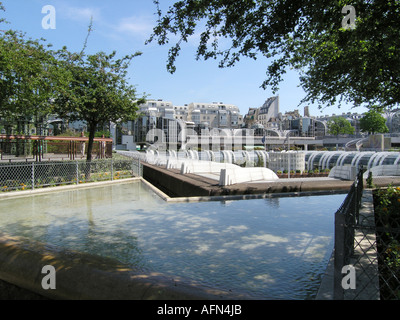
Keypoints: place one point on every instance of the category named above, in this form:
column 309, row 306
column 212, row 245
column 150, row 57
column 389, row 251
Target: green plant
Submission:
column 393, row 254
column 369, row 180
column 387, row 219
column 387, row 206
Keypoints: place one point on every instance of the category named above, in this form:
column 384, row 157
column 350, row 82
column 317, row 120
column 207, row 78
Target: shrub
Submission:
column 369, row 180
column 387, row 219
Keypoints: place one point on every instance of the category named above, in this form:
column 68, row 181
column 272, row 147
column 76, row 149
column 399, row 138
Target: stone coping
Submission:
column 38, row 191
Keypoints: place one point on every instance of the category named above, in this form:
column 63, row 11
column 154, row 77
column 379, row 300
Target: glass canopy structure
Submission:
column 329, row 159
column 312, row 159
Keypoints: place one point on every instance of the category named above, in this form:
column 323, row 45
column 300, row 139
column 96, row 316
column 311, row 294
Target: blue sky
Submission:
column 124, row 26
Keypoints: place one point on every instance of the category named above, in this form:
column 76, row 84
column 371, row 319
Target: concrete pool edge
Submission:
column 81, row 276
column 164, row 196
column 167, row 198
column 27, row 193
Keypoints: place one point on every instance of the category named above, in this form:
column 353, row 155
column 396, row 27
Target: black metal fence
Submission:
column 31, row 175
column 367, row 244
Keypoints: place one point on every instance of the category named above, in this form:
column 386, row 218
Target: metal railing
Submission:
column 32, row 175
column 369, row 243
column 346, row 219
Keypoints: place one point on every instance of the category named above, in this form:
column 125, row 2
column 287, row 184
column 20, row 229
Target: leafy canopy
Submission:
column 95, row 89
column 373, row 122
column 76, row 86
column 25, row 74
column 339, row 125
column 336, row 65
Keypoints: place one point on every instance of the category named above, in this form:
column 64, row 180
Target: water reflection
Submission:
column 268, row 248
column 272, row 202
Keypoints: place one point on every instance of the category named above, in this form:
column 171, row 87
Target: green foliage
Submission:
column 388, row 206
column 336, row 65
column 35, row 80
column 373, row 122
column 2, row 9
column 370, row 183
column 102, row 133
column 97, row 90
column 387, row 219
column 25, row 75
column 339, row 125
column 392, row 257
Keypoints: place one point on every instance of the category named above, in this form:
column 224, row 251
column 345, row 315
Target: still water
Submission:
column 269, row 248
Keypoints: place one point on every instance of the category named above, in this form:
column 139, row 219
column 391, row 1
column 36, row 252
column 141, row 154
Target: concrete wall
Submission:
column 172, row 183
column 343, row 172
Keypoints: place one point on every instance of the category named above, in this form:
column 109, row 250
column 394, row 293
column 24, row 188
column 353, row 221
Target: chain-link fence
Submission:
column 35, row 148
column 367, row 242
column 24, row 176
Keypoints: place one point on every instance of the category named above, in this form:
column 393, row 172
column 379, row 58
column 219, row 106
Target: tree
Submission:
column 26, row 76
column 336, row 63
column 339, row 125
column 96, row 90
column 2, row 9
column 92, row 88
column 25, row 82
column 373, row 122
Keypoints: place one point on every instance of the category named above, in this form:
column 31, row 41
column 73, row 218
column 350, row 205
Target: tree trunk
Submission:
column 92, row 130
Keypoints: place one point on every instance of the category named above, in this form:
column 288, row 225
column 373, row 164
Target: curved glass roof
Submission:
column 330, row 159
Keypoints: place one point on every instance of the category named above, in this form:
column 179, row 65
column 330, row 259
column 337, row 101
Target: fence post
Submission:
column 77, row 172
column 112, row 169
column 339, row 255
column 136, row 167
column 33, row 175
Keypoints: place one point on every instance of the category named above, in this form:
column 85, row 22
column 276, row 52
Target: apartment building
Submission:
column 215, row 115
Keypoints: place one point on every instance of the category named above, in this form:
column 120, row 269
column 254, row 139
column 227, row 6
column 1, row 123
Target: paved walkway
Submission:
column 364, row 259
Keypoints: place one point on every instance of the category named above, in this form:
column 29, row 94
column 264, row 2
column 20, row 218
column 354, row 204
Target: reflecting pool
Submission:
column 274, row 248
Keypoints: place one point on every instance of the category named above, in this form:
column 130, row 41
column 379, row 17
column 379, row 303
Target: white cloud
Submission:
column 80, row 14
column 138, row 26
